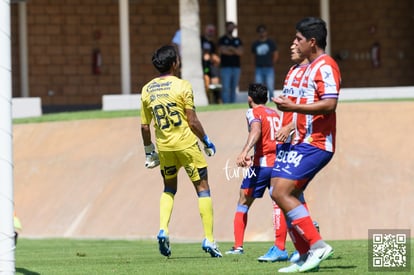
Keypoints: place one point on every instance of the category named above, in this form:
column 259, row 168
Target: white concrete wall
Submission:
column 121, row 102
column 125, row 102
column 26, row 107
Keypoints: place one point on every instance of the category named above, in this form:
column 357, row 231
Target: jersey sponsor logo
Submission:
column 170, row 170
column 156, row 86
column 293, row 92
column 288, row 91
column 327, row 75
column 190, row 170
column 153, row 97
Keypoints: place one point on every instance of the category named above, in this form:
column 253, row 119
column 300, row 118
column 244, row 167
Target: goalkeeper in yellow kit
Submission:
column 168, row 100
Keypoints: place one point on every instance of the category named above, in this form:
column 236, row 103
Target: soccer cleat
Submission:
column 295, row 267
column 294, row 257
column 236, row 250
column 274, row 254
column 291, row 269
column 164, row 243
column 315, row 257
column 211, row 248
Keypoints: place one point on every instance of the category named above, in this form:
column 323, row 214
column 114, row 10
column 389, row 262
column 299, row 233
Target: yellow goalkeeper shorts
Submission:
column 190, row 158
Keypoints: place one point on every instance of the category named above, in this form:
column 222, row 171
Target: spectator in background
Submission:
column 266, row 55
column 211, row 62
column 230, row 50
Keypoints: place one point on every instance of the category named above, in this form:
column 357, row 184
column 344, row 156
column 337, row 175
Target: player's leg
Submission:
column 286, row 193
column 277, row 252
column 205, row 206
column 169, row 169
column 166, row 206
column 240, row 220
column 196, row 167
column 253, row 186
column 167, row 203
column 283, row 195
column 300, row 244
column 279, row 224
column 205, row 203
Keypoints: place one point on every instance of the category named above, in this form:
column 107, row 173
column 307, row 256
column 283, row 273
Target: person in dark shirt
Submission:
column 230, row 50
column 266, row 55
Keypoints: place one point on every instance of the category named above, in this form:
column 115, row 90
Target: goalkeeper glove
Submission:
column 209, row 147
column 151, row 157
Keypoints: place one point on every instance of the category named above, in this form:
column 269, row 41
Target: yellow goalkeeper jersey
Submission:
column 165, row 100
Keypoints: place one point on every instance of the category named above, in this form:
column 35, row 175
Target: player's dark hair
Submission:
column 164, row 58
column 313, row 27
column 258, row 93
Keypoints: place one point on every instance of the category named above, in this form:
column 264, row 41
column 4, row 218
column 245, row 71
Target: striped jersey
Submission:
column 265, row 148
column 321, row 80
column 165, row 100
column 291, row 90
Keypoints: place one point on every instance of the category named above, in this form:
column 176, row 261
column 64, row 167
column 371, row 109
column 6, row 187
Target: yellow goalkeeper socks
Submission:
column 166, row 206
column 205, row 206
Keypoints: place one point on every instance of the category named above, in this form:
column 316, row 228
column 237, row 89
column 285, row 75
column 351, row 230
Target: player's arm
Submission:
column 283, row 133
column 243, row 159
column 146, row 118
column 321, row 107
column 195, row 124
column 198, row 130
column 146, row 134
column 151, row 156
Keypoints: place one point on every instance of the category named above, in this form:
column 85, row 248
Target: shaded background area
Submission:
column 86, row 179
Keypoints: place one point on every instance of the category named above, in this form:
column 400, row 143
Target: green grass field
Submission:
column 67, row 256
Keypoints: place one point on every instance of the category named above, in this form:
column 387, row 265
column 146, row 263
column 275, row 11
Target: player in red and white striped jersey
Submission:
column 263, row 122
column 321, row 82
column 314, row 145
column 291, row 90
